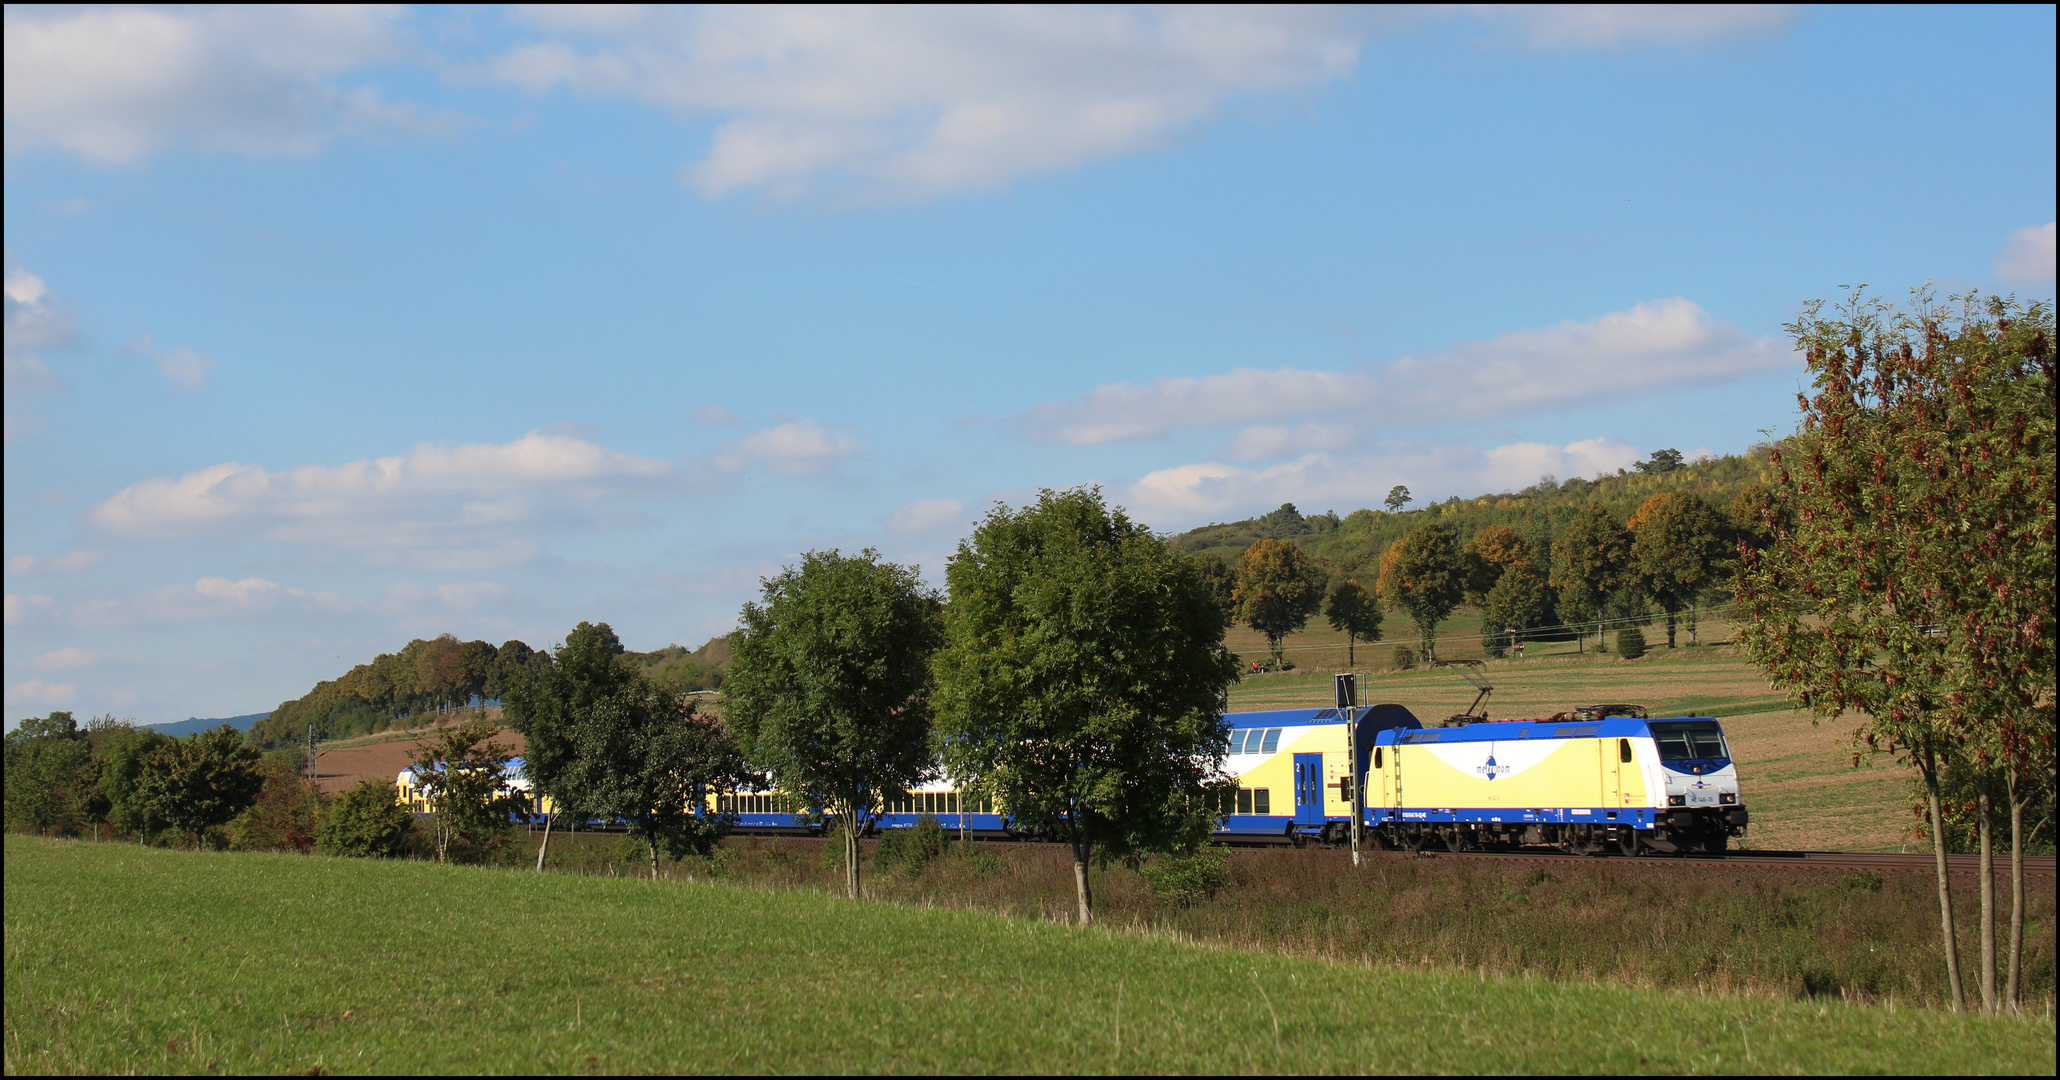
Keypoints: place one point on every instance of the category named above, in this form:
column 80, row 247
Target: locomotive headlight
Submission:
column 1727, row 797
column 1677, row 800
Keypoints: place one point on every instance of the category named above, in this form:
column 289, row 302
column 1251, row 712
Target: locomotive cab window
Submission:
column 1376, row 757
column 1623, row 749
column 1684, row 740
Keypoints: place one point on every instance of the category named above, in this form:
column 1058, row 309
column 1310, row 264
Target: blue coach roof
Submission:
column 1381, row 716
column 1608, row 727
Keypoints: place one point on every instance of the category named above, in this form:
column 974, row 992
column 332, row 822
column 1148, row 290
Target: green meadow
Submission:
column 1799, row 777
column 121, row 959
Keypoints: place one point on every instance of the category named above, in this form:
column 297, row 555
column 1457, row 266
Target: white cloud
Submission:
column 1264, row 441
column 1187, row 495
column 70, row 562
column 2027, row 259
column 925, row 515
column 1653, row 346
column 207, row 598
column 72, row 658
column 114, row 85
column 471, row 595
column 36, row 323
column 717, row 416
column 186, row 369
column 455, row 504
column 795, row 448
column 1615, row 26
column 38, row 692
column 20, row 609
column 906, row 102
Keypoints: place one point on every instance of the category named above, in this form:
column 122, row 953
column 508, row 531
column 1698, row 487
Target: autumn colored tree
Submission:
column 1424, row 574
column 1913, row 583
column 1490, row 552
column 1278, row 588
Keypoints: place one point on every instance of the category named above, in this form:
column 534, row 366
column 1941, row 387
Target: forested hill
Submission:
column 195, row 725
column 1352, row 546
column 433, row 674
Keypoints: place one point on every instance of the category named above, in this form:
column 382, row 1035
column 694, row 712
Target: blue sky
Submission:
column 328, row 329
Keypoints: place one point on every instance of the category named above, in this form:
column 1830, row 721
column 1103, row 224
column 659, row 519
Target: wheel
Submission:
column 1628, row 843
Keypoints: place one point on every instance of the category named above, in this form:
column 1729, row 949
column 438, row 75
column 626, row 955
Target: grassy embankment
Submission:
column 1798, row 776
column 121, row 959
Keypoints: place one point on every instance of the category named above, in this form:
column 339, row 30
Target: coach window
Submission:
column 1623, row 749
column 1237, row 741
column 1262, row 801
column 1272, row 740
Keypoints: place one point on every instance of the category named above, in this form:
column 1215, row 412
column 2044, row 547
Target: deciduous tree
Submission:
column 49, row 774
column 1082, row 679
column 1914, row 583
column 197, row 784
column 829, row 685
column 1678, row 546
column 1517, row 602
column 1424, row 575
column 1588, row 564
column 368, row 821
column 464, row 778
column 546, row 699
column 644, row 757
column 1278, row 588
column 1354, row 613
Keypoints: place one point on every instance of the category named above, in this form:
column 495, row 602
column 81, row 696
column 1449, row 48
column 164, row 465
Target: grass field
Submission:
column 1798, row 777
column 121, row 959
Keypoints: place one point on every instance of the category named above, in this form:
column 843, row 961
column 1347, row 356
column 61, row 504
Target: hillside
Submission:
column 195, row 725
column 1352, row 546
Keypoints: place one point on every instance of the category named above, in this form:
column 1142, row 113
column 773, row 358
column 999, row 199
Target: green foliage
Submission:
column 368, row 821
column 1398, row 497
column 829, row 689
column 1630, row 643
column 1278, row 588
column 286, row 813
column 1589, row 561
column 1424, row 575
column 548, row 700
column 680, row 670
column 1661, row 462
column 1516, row 602
column 1222, row 582
column 1082, row 677
column 464, row 778
column 1678, row 552
column 642, row 756
column 50, row 773
column 200, row 783
column 121, row 766
column 1354, row 613
column 428, row 675
column 1405, row 658
column 1184, row 879
column 913, row 849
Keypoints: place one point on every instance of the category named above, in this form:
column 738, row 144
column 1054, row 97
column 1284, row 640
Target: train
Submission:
column 1598, row 779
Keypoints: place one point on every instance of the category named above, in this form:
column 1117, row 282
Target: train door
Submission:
column 1612, row 773
column 1390, row 776
column 1308, row 789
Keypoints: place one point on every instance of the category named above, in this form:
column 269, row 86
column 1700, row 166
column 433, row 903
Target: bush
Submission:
column 366, row 821
column 913, row 849
column 1186, row 880
column 1405, row 658
column 1630, row 643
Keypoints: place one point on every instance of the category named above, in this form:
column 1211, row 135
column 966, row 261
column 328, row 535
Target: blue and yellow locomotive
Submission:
column 1600, row 778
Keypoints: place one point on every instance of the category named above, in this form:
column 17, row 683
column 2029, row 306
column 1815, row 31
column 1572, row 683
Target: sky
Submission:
column 330, row 328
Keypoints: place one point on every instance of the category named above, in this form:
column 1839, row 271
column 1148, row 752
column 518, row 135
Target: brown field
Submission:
column 341, row 764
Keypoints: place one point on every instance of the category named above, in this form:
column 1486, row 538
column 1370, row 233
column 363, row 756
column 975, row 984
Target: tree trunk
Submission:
column 1671, row 614
column 1986, row 829
column 1351, row 650
column 546, row 845
column 2016, row 891
column 652, row 843
column 851, row 855
column 1928, row 764
column 1082, row 849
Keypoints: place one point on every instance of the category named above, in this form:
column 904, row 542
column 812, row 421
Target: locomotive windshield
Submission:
column 1684, row 740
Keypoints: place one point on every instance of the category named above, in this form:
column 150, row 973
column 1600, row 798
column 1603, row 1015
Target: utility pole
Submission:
column 1347, row 687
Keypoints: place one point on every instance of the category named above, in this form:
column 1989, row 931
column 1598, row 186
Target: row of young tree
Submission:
column 1675, row 552
column 209, row 789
